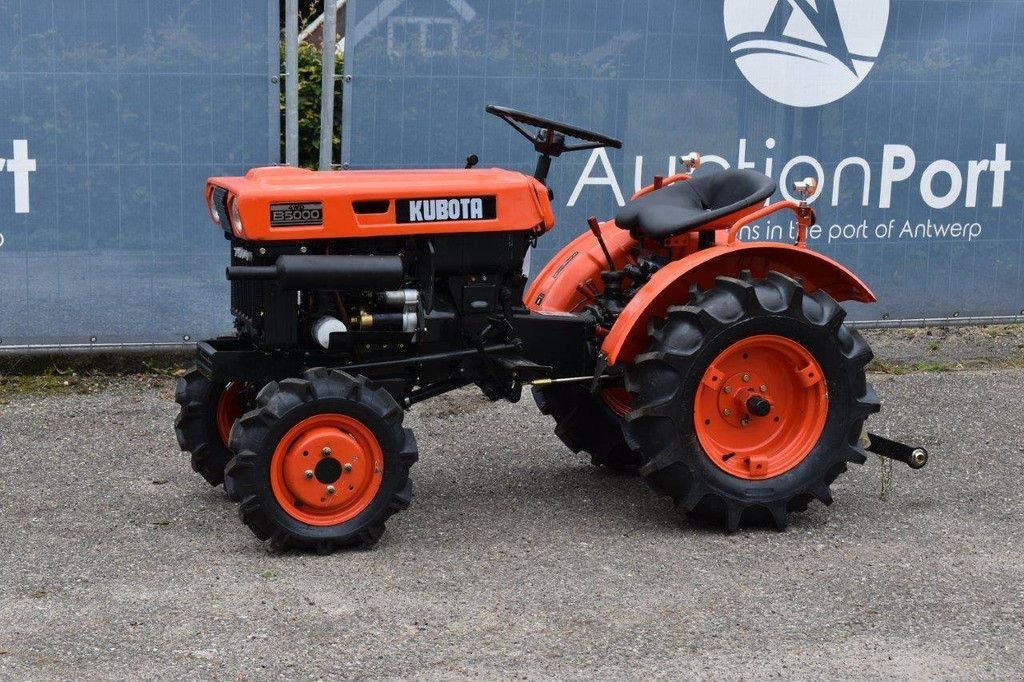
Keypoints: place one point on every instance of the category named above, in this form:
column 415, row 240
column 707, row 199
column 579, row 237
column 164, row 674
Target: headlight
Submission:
column 212, row 207
column 236, row 217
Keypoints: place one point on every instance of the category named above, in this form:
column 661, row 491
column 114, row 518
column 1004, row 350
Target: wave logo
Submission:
column 806, row 53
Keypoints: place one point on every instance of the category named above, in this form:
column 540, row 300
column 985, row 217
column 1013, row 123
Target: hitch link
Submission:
column 914, row 457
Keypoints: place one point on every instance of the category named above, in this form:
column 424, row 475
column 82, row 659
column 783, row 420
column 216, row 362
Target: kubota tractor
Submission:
column 659, row 342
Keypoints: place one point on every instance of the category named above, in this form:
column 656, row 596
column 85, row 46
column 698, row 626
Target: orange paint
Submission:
column 671, row 285
column 522, row 202
column 557, row 287
column 229, row 409
column 660, row 182
column 320, row 453
column 804, row 217
column 618, row 401
column 769, row 368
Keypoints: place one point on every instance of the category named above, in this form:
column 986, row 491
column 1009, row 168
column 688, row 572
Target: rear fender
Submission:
column 558, row 286
column 671, row 286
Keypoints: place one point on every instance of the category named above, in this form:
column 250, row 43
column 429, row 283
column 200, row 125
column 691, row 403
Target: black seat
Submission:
column 683, row 206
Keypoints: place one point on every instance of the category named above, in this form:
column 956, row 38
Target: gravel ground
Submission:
column 953, row 347
column 516, row 559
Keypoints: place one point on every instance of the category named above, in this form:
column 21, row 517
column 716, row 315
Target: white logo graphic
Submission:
column 806, row 53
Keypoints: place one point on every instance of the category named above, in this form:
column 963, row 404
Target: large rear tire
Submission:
column 323, row 461
column 208, row 411
column 750, row 401
column 587, row 424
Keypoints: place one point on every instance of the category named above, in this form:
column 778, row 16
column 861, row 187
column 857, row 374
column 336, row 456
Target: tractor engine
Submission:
column 415, row 277
column 361, row 296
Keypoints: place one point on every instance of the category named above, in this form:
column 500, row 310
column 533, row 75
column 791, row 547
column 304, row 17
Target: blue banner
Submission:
column 112, row 115
column 908, row 112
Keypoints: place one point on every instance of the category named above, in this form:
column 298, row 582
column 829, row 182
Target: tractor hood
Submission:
column 284, row 203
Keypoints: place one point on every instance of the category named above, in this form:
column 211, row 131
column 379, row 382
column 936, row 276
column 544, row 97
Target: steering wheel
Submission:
column 545, row 140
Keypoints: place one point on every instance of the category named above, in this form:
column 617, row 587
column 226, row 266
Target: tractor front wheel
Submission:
column 208, row 411
column 750, row 400
column 322, row 462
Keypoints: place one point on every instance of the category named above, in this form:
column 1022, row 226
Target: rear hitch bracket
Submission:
column 913, row 456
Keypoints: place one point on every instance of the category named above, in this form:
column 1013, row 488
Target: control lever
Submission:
column 595, row 227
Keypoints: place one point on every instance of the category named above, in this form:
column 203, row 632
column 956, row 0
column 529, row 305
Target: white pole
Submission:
column 327, row 86
column 291, row 83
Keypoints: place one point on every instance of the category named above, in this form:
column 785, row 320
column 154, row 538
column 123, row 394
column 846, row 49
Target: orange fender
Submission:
column 671, row 285
column 560, row 286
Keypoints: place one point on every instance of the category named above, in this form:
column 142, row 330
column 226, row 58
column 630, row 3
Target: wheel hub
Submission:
column 229, row 409
column 758, row 406
column 327, row 469
column 761, row 407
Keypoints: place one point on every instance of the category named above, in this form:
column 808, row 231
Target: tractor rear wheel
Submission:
column 750, row 401
column 208, row 411
column 588, row 424
column 322, row 462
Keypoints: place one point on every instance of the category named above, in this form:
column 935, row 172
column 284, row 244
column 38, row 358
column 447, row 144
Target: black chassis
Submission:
column 499, row 347
column 539, row 346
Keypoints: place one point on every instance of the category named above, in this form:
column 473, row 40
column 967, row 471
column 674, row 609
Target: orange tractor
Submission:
column 720, row 370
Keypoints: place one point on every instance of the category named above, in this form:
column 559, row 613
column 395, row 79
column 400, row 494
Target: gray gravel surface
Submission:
column 998, row 345
column 516, row 559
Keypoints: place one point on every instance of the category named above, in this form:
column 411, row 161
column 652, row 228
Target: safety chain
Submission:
column 886, row 487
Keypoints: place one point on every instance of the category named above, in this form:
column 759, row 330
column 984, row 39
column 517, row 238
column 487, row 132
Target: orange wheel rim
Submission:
column 760, row 407
column 618, row 400
column 229, row 409
column 327, row 469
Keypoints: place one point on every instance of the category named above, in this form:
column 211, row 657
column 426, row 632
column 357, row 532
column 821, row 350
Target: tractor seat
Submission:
column 683, row 206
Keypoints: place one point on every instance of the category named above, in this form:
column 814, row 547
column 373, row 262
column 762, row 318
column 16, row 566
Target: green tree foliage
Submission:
column 307, row 8
column 310, row 62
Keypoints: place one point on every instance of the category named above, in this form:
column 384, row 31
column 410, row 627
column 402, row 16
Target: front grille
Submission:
column 247, row 299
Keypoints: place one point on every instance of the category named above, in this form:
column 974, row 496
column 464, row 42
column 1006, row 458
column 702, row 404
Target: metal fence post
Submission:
column 291, row 83
column 328, row 85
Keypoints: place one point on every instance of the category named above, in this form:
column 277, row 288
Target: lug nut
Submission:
column 728, row 389
column 326, row 452
column 330, row 490
column 727, row 412
column 347, row 467
column 745, row 421
column 309, row 473
column 763, row 388
column 746, row 377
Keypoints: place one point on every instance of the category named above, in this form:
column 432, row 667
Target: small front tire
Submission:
column 323, row 461
column 208, row 411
